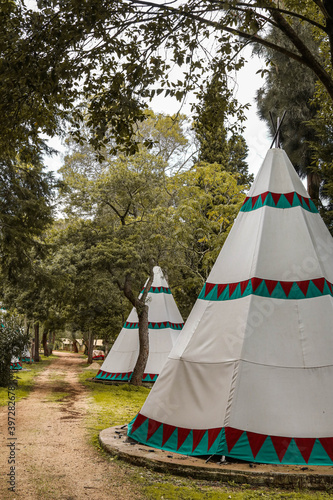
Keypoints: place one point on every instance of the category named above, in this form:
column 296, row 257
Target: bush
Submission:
column 12, row 343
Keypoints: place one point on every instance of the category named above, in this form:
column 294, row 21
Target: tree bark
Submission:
column 36, row 347
column 313, row 185
column 75, row 349
column 142, row 311
column 44, row 342
column 140, row 366
column 90, row 347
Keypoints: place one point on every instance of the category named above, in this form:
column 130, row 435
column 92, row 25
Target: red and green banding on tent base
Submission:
column 262, row 287
column 16, row 366
column 236, row 443
column 155, row 325
column 278, row 200
column 124, row 377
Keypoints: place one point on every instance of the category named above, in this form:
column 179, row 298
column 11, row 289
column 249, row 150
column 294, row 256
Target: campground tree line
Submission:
column 137, row 188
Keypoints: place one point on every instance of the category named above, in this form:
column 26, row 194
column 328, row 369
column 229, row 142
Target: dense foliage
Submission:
column 12, row 342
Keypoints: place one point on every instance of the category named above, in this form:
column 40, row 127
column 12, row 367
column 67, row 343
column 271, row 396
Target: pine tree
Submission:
column 217, row 142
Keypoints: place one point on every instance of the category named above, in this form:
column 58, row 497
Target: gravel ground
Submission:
column 53, row 456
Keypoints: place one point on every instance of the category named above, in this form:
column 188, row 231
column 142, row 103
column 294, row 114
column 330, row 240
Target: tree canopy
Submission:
column 116, row 56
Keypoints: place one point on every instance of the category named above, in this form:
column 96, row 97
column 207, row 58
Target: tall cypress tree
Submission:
column 219, row 143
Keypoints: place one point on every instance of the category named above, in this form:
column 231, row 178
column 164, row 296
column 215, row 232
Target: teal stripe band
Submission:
column 232, row 442
column 278, row 200
column 155, row 326
column 159, row 289
column 293, row 290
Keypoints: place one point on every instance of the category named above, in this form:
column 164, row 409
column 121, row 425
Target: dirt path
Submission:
column 54, row 459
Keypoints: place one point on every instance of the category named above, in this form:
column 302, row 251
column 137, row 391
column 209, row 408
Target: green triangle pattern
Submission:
column 282, row 201
column 242, row 445
column 155, row 326
column 292, row 290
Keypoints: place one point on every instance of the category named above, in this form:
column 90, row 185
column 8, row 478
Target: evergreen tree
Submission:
column 290, row 86
column 218, row 142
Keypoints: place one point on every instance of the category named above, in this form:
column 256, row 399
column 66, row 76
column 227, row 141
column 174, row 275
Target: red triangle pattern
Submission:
column 182, row 435
column 153, row 425
column 232, row 436
column 307, row 201
column 327, row 444
column 289, row 197
column 168, row 430
column 264, row 196
column 140, row 419
column 243, row 285
column 256, row 441
column 280, row 445
column 212, row 436
column 208, row 288
column 300, row 198
column 197, row 436
column 286, row 286
column 303, row 286
column 254, row 199
column 232, row 288
column 255, row 282
column 220, row 289
column 305, row 446
column 320, row 283
column 271, row 284
column 276, row 197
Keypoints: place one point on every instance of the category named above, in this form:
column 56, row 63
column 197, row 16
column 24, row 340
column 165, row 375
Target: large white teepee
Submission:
column 251, row 375
column 165, row 323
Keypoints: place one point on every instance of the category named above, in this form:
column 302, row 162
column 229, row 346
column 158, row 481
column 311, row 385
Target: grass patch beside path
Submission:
column 116, row 405
column 25, row 379
column 112, row 404
column 199, row 492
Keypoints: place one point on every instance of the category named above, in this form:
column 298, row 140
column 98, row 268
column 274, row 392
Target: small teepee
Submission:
column 15, row 364
column 165, row 323
column 98, row 355
column 251, row 374
column 26, row 356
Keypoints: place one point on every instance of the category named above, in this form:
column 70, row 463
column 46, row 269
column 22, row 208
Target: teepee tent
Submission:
column 165, row 323
column 251, row 375
column 98, row 355
column 26, row 356
column 15, row 364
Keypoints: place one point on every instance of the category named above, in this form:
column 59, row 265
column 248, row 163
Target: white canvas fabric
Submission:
column 26, row 353
column 251, row 374
column 165, row 316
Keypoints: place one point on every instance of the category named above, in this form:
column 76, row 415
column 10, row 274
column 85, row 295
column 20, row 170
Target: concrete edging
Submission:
column 115, row 441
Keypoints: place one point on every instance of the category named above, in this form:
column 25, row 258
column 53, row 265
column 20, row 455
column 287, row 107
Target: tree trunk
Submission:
column 44, row 342
column 36, row 349
column 75, row 349
column 90, row 347
column 313, row 185
column 51, row 342
column 144, row 345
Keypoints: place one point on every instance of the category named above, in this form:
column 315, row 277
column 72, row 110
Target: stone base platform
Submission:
column 115, row 441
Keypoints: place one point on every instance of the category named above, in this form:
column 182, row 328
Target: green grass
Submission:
column 201, row 492
column 25, row 379
column 111, row 404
